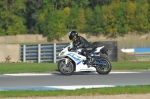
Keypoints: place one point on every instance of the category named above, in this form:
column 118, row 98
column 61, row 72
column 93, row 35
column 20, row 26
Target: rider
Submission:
column 81, row 42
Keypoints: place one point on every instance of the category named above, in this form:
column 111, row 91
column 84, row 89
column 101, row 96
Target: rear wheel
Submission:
column 105, row 66
column 65, row 69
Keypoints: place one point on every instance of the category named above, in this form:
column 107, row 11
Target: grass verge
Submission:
column 141, row 89
column 137, row 65
column 6, row 68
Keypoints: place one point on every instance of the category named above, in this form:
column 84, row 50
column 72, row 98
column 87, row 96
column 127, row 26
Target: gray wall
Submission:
column 10, row 50
column 28, row 38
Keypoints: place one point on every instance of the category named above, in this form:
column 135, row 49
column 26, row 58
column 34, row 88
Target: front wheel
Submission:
column 104, row 67
column 65, row 69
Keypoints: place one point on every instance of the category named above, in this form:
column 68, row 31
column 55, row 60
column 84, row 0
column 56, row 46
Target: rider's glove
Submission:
column 77, row 47
column 69, row 49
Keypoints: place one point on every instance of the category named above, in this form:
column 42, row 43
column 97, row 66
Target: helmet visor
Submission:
column 74, row 37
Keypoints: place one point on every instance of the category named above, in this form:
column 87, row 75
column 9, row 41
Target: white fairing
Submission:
column 77, row 58
column 98, row 49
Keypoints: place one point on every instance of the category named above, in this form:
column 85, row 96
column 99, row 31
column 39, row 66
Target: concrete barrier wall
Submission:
column 10, row 50
column 28, row 38
column 127, row 41
column 136, row 50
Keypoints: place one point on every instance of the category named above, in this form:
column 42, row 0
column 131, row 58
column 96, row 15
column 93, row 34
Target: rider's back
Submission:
column 81, row 42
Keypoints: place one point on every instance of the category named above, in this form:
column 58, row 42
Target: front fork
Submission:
column 65, row 67
column 66, row 60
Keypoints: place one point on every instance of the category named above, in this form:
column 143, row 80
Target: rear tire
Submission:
column 65, row 69
column 106, row 68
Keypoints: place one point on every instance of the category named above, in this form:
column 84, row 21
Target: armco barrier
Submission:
column 49, row 52
column 41, row 52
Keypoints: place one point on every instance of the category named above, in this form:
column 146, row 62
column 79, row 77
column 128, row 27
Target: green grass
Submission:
column 6, row 68
column 131, row 65
column 27, row 67
column 141, row 89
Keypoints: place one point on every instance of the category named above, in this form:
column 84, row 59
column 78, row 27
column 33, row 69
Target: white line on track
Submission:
column 123, row 72
column 44, row 74
column 74, row 87
column 78, row 87
column 27, row 74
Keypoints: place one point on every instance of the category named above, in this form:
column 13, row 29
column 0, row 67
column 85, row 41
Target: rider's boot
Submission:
column 84, row 62
column 88, row 63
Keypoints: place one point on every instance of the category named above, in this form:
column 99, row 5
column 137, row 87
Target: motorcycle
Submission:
column 73, row 61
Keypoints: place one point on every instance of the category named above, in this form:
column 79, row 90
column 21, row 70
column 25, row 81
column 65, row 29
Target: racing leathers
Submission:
column 86, row 46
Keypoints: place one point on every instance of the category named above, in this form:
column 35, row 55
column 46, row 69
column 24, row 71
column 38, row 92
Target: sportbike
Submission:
column 73, row 61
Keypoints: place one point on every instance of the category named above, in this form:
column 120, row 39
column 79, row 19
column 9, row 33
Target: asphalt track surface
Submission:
column 56, row 81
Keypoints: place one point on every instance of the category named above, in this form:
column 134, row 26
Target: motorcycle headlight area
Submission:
column 62, row 53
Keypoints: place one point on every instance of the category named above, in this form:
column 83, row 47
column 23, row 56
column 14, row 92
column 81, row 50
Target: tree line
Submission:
column 54, row 18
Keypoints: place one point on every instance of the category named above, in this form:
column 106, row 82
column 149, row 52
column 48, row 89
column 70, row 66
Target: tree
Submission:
column 142, row 16
column 89, row 20
column 95, row 21
column 56, row 17
column 94, row 3
column 72, row 20
column 11, row 16
column 97, row 26
column 66, row 11
column 54, row 25
column 120, row 13
column 33, row 8
column 73, row 3
column 130, row 15
column 110, row 19
column 81, row 20
column 57, row 24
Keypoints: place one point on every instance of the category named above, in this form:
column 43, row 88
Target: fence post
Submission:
column 24, row 53
column 54, row 52
column 39, row 53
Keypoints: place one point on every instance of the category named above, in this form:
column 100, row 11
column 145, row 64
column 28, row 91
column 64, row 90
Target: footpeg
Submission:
column 84, row 62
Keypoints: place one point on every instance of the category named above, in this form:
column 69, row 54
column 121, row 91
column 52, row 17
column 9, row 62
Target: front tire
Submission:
column 105, row 68
column 65, row 69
